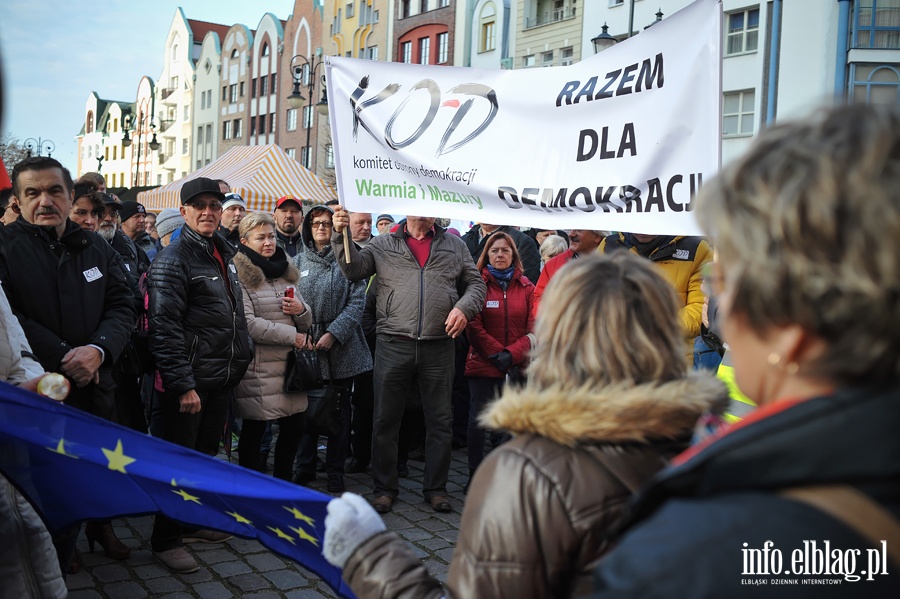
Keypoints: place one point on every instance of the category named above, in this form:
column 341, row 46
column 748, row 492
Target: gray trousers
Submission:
column 402, row 368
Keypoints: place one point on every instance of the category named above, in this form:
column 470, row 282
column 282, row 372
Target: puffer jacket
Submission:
column 198, row 333
column 504, row 323
column 681, row 261
column 17, row 363
column 413, row 301
column 551, row 268
column 260, row 394
column 337, row 307
column 541, row 507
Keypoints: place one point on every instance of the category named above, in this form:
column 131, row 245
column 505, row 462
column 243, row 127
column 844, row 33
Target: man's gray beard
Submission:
column 107, row 233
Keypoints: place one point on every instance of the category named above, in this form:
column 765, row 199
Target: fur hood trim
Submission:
column 614, row 414
column 252, row 276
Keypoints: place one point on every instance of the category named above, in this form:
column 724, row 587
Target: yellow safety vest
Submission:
column 739, row 405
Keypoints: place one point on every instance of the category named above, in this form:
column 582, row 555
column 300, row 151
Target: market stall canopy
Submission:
column 260, row 174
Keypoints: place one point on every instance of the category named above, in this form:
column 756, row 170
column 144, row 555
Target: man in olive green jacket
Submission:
column 428, row 290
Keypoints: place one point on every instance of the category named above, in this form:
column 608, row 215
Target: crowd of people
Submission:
column 577, row 367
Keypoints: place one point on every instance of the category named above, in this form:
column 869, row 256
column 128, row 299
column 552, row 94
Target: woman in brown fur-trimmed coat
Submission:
column 276, row 324
column 608, row 401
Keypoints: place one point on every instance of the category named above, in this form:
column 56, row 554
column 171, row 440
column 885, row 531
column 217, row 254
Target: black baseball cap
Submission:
column 198, row 186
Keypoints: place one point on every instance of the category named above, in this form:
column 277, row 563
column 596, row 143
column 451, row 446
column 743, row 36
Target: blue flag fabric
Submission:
column 73, row 466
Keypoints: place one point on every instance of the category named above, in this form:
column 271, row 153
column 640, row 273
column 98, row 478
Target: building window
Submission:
column 349, row 9
column 329, row 156
column 528, row 61
column 877, row 24
column 488, row 20
column 174, row 55
column 444, row 3
column 566, row 56
column 307, row 117
column 199, row 135
column 547, row 59
column 263, row 87
column 272, row 83
column 253, row 88
column 737, row 113
column 199, row 164
column 372, row 53
column 185, row 145
column 261, row 128
column 224, row 92
column 265, row 49
column 209, row 134
column 202, row 100
column 291, row 152
column 187, row 112
column 234, row 54
column 115, row 152
column 241, row 93
column 743, row 32
column 89, row 122
column 232, row 93
column 305, row 156
column 406, row 52
column 292, row 119
column 272, row 122
column 425, row 50
column 237, row 128
column 252, row 126
column 443, row 40
column 875, row 84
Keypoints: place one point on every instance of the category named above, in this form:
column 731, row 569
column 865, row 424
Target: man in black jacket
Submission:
column 477, row 237
column 67, row 288
column 199, row 339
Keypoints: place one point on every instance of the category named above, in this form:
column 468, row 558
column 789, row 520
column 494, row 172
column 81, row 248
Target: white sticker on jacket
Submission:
column 127, row 266
column 682, row 255
column 492, row 304
column 232, row 268
column 304, row 273
column 92, row 274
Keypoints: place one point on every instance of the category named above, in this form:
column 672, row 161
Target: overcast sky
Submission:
column 56, row 52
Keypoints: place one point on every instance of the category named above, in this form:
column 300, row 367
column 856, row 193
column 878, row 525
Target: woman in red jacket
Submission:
column 499, row 335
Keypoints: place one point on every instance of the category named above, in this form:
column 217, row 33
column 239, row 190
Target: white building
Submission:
column 206, row 101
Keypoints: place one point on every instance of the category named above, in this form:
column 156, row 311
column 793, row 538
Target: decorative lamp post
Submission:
column 40, row 146
column 604, row 41
column 302, row 66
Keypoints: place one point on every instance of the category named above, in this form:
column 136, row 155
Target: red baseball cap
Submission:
column 288, row 198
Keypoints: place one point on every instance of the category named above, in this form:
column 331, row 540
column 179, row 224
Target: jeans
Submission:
column 202, row 432
column 705, row 358
column 482, row 391
column 402, row 367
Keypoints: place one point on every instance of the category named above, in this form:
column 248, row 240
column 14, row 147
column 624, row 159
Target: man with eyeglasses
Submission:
column 288, row 216
column 581, row 243
column 199, row 339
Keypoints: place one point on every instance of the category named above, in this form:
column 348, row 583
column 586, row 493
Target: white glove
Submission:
column 350, row 522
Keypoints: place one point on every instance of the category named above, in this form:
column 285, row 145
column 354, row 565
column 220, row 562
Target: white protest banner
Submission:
column 619, row 141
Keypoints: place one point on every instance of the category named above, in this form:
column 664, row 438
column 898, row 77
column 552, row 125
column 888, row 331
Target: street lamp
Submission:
column 144, row 122
column 39, row 145
column 604, row 41
column 300, row 66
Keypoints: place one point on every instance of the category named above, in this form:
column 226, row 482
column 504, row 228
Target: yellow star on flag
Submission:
column 305, row 535
column 187, row 496
column 300, row 515
column 61, row 449
column 117, row 458
column 239, row 518
column 282, row 535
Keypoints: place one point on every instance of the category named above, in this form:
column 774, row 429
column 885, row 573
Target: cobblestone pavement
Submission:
column 244, row 568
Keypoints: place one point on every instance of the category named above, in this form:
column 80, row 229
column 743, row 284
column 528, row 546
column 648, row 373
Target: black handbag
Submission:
column 325, row 408
column 302, row 372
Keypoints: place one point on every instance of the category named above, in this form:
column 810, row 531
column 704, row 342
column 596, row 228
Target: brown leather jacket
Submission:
column 540, row 507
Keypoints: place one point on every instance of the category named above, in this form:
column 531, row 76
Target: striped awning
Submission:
column 260, row 174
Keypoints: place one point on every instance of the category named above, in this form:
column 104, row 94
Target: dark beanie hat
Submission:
column 129, row 209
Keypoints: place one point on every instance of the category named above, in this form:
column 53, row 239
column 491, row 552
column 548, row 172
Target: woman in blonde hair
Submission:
column 277, row 321
column 608, row 401
column 806, row 226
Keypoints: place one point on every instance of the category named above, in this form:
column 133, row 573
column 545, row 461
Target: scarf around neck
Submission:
column 503, row 277
column 273, row 268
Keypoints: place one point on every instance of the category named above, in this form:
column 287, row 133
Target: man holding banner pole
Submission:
column 421, row 272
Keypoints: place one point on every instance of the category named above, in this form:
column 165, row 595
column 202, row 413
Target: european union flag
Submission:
column 73, row 466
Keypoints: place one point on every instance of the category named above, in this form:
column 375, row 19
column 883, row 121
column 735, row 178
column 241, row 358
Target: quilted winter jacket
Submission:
column 681, row 262
column 198, row 333
column 551, row 268
column 504, row 323
column 412, row 301
column 541, row 507
column 259, row 396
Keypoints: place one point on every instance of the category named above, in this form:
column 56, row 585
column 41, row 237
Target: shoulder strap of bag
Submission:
column 856, row 510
